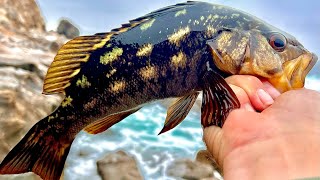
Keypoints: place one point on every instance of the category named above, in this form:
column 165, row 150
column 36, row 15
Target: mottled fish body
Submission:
column 176, row 52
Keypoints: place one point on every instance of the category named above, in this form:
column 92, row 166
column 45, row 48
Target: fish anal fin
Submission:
column 103, row 124
column 178, row 111
column 218, row 100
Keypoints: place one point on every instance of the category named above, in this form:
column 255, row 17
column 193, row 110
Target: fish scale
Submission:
column 175, row 51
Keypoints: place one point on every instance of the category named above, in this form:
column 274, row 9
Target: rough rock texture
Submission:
column 188, row 169
column 118, row 166
column 203, row 156
column 68, row 29
column 20, row 16
column 25, row 54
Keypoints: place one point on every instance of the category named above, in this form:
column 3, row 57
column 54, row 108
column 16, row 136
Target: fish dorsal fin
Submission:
column 178, row 111
column 106, row 122
column 161, row 11
column 68, row 60
column 218, row 100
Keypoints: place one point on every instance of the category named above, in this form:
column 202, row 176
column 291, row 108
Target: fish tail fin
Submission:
column 40, row 152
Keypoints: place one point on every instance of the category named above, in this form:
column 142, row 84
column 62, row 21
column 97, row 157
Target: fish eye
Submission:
column 278, row 42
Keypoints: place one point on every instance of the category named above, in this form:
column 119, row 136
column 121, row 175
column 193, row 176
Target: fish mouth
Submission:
column 294, row 72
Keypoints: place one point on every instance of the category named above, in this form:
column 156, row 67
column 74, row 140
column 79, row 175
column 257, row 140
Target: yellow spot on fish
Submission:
column 66, row 102
column 148, row 73
column 181, row 12
column 111, row 56
column 111, row 73
column 189, row 21
column 201, row 18
column 210, row 31
column 145, row 50
column 84, row 83
column 118, row 86
column 179, row 35
column 109, row 45
column 179, row 60
column 102, row 42
column 237, row 52
column 147, row 25
column 50, row 118
column 224, row 41
column 214, row 17
column 235, row 15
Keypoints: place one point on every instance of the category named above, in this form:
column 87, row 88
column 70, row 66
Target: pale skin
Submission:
column 272, row 136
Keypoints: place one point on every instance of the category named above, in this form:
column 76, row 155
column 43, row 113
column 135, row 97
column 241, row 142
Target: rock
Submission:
column 27, row 176
column 118, row 166
column 203, row 156
column 68, row 29
column 188, row 169
column 17, row 16
column 25, row 56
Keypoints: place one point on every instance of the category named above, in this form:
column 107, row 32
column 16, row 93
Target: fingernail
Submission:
column 273, row 92
column 265, row 98
column 248, row 107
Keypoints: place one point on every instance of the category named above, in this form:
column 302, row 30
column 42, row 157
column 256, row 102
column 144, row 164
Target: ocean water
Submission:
column 137, row 135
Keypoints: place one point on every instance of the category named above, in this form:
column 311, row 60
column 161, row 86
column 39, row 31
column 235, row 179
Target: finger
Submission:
column 212, row 137
column 255, row 90
column 242, row 97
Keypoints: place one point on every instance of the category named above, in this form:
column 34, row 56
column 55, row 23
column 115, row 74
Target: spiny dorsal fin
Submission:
column 69, row 58
column 67, row 62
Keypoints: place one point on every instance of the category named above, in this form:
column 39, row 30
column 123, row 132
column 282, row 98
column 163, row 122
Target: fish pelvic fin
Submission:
column 39, row 152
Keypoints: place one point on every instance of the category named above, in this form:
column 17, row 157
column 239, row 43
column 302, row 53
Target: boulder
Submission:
column 118, row 166
column 191, row 170
column 18, row 16
column 68, row 29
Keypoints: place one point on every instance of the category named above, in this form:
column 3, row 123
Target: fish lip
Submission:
column 303, row 66
column 311, row 63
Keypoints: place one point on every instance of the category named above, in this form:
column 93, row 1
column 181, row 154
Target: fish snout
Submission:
column 294, row 72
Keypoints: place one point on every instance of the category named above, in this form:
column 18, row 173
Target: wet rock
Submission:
column 191, row 170
column 118, row 166
column 68, row 29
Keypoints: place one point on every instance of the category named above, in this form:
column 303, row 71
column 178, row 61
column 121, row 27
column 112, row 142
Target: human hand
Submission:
column 281, row 142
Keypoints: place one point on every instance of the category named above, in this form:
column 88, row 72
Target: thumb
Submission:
column 212, row 137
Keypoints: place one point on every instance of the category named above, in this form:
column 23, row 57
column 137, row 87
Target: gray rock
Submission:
column 188, row 169
column 68, row 29
column 118, row 166
column 203, row 156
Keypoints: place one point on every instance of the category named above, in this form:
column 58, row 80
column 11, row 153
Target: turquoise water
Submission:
column 137, row 135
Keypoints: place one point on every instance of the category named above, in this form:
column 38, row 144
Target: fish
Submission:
column 174, row 52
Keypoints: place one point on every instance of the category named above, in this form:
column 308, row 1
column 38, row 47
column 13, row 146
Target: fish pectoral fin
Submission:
column 103, row 124
column 178, row 111
column 218, row 100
